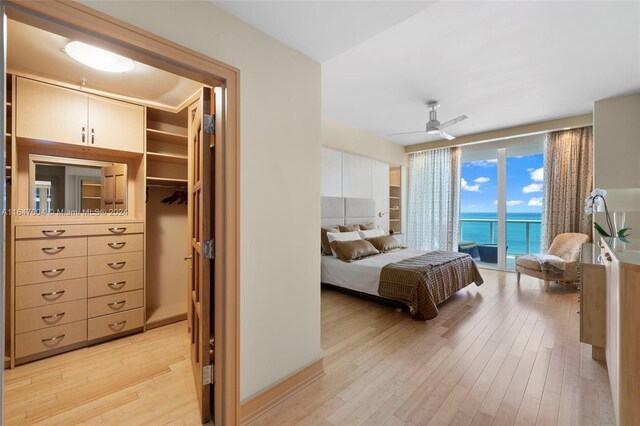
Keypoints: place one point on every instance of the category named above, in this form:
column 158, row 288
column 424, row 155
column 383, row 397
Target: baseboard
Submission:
column 278, row 392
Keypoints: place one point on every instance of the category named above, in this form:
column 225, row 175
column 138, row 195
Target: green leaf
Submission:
column 623, row 232
column 600, row 230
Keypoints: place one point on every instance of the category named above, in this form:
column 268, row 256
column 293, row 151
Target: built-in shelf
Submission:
column 160, row 315
column 165, row 181
column 167, row 137
column 394, row 220
column 91, row 184
column 395, row 201
column 7, row 362
column 91, row 198
column 171, row 158
column 394, row 186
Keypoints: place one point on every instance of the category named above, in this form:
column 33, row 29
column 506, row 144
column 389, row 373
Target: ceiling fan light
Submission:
column 97, row 58
column 433, row 131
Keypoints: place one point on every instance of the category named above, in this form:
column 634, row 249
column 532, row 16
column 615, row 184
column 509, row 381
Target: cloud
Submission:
column 515, row 202
column 482, row 163
column 532, row 187
column 537, row 175
column 535, row 202
column 482, row 179
column 466, row 187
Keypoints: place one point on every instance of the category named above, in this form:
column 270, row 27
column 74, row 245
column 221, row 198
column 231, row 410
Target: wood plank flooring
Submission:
column 497, row 354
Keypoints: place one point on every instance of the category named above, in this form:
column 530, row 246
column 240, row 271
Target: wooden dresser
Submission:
column 76, row 284
column 592, row 300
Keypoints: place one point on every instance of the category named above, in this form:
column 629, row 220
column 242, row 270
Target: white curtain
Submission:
column 434, row 199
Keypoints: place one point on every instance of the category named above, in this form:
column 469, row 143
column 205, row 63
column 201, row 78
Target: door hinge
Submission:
column 210, row 124
column 207, row 375
column 209, row 249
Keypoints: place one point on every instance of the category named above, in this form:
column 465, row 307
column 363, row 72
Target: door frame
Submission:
column 69, row 17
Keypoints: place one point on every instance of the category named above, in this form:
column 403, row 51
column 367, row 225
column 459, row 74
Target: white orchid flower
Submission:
column 598, row 191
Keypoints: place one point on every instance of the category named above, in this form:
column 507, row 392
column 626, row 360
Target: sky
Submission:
column 479, row 185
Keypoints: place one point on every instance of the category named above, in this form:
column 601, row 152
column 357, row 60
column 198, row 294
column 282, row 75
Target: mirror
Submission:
column 75, row 186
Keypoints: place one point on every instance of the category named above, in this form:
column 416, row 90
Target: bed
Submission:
column 420, row 280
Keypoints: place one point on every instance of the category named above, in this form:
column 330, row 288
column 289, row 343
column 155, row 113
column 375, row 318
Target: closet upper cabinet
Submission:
column 50, row 113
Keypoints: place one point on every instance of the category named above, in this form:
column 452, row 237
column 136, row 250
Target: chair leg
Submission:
column 546, row 286
column 518, row 276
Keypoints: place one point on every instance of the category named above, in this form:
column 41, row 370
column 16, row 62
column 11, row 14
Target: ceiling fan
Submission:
column 434, row 127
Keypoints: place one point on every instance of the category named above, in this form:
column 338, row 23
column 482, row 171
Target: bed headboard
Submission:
column 347, row 211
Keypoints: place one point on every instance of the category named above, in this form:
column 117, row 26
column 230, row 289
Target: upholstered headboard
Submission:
column 347, row 211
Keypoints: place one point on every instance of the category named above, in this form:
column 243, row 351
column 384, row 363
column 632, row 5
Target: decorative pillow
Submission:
column 349, row 228
column 341, row 236
column 385, row 243
column 367, row 226
column 371, row 233
column 348, row 251
column 325, row 247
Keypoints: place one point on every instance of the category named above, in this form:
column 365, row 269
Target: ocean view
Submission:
column 483, row 228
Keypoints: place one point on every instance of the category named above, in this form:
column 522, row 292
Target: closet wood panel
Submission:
column 50, row 248
column 111, row 263
column 115, row 323
column 50, row 113
column 43, row 271
column 50, row 338
column 31, row 296
column 113, row 303
column 126, row 135
column 101, row 285
column 115, row 244
column 49, row 316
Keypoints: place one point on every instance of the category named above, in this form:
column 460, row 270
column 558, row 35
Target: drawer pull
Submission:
column 53, row 339
column 53, row 232
column 117, row 230
column 52, row 317
column 118, row 324
column 53, row 250
column 116, row 265
column 53, row 272
column 54, row 294
column 117, row 305
column 117, row 285
column 608, row 257
column 117, row 245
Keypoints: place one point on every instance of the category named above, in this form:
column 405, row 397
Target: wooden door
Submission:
column 200, row 282
column 114, row 188
column 115, row 124
column 50, row 113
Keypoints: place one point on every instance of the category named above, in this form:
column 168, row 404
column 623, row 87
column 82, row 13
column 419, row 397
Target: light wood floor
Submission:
column 496, row 354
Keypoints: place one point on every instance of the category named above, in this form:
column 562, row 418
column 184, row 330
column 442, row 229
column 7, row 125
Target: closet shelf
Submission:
column 170, row 158
column 160, row 315
column 395, row 186
column 168, row 137
column 165, row 180
column 91, row 184
column 394, row 220
column 91, row 198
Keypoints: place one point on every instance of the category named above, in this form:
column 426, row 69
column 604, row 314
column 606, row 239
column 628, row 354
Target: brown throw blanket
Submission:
column 425, row 281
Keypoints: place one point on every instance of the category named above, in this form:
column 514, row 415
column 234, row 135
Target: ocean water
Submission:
column 516, row 231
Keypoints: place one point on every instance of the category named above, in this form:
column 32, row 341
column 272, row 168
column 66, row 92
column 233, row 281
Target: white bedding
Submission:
column 362, row 275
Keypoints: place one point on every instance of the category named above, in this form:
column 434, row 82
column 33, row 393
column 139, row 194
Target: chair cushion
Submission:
column 567, row 245
column 528, row 262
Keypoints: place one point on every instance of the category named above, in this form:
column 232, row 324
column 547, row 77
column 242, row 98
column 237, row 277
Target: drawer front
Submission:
column 49, row 231
column 112, row 263
column 50, row 338
column 115, row 228
column 113, row 303
column 115, row 323
column 51, row 315
column 112, row 244
column 101, row 285
column 50, row 248
column 43, row 271
column 31, row 296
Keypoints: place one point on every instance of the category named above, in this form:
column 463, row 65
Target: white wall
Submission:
column 279, row 181
column 348, row 175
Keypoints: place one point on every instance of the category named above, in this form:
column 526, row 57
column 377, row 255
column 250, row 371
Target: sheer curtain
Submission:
column 568, row 181
column 434, row 199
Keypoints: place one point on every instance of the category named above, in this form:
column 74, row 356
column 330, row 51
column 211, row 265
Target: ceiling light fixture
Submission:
column 97, row 58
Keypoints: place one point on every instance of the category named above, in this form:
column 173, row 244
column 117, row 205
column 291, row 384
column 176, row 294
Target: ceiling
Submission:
column 502, row 63
column 34, row 51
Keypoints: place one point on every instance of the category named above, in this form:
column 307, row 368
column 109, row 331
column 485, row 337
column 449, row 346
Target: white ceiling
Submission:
column 34, row 51
column 502, row 63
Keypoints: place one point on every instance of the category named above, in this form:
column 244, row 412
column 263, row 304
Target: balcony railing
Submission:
column 523, row 236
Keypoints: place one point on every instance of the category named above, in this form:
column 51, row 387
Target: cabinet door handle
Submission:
column 117, row 230
column 117, row 305
column 608, row 257
column 55, row 272
column 53, row 339
column 54, row 316
column 117, row 245
column 83, row 134
column 53, row 250
column 116, row 265
column 117, row 324
column 93, row 136
column 117, row 285
column 53, row 232
column 53, row 294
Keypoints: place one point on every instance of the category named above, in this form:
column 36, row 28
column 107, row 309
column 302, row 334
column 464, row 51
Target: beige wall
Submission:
column 280, row 181
column 344, row 138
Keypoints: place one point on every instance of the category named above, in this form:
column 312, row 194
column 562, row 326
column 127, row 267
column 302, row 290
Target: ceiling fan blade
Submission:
column 454, row 121
column 447, row 135
column 405, row 133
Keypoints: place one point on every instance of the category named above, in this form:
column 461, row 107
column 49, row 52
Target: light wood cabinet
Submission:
column 592, row 301
column 46, row 112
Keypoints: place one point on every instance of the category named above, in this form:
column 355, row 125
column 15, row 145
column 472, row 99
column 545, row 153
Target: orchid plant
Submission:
column 595, row 201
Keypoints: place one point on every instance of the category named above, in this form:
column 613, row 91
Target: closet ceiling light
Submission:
column 97, row 58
